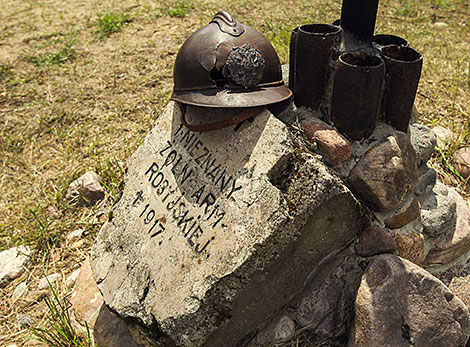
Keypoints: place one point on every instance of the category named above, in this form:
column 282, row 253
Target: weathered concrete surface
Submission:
column 399, row 304
column 242, row 220
column 423, row 141
column 323, row 312
column 387, row 173
column 438, row 211
column 326, row 307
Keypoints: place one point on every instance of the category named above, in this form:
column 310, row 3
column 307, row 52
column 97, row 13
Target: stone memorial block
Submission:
column 216, row 231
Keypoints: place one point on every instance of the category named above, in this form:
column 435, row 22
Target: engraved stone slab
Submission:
column 216, row 231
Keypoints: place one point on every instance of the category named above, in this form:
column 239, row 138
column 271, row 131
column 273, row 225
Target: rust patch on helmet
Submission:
column 245, row 66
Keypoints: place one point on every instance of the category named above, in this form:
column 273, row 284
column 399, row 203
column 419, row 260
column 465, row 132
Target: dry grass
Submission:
column 81, row 83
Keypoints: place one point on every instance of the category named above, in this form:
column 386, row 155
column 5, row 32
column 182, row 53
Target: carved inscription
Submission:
column 187, row 183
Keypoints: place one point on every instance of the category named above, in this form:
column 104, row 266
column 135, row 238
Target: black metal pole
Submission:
column 358, row 17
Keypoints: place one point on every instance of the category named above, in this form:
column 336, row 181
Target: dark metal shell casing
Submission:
column 314, row 46
column 383, row 40
column 201, row 76
column 402, row 73
column 292, row 50
column 357, row 88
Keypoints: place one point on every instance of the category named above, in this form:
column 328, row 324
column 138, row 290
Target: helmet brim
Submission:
column 233, row 98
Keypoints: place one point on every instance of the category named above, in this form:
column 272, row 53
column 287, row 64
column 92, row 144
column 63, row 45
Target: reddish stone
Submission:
column 403, row 217
column 457, row 242
column 86, row 298
column 461, row 162
column 85, row 190
column 410, row 247
column 331, row 143
column 387, row 173
column 373, row 241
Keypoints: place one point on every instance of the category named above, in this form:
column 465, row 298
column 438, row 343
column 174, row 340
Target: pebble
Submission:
column 19, row 291
column 25, row 321
column 444, row 136
column 461, row 162
column 85, row 190
column 75, row 235
column 12, row 262
column 43, row 283
column 70, row 280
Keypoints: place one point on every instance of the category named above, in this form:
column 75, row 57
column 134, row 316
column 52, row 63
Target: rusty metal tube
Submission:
column 383, row 40
column 292, row 49
column 402, row 73
column 314, row 47
column 358, row 17
column 357, row 88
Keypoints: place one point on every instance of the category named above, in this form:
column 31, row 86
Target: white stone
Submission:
column 216, row 230
column 19, row 291
column 12, row 262
column 52, row 278
column 75, row 235
column 70, row 280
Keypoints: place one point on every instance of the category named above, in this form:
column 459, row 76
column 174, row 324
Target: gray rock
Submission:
column 85, row 190
column 110, row 330
column 400, row 304
column 12, row 263
column 20, row 290
column 444, row 136
column 25, row 321
column 387, row 173
column 423, row 141
column 438, row 211
column 48, row 280
column 456, row 242
column 216, row 231
column 426, row 180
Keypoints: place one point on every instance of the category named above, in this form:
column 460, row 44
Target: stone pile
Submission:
column 317, row 235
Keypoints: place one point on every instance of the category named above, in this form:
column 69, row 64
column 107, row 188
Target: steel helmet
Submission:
column 228, row 64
